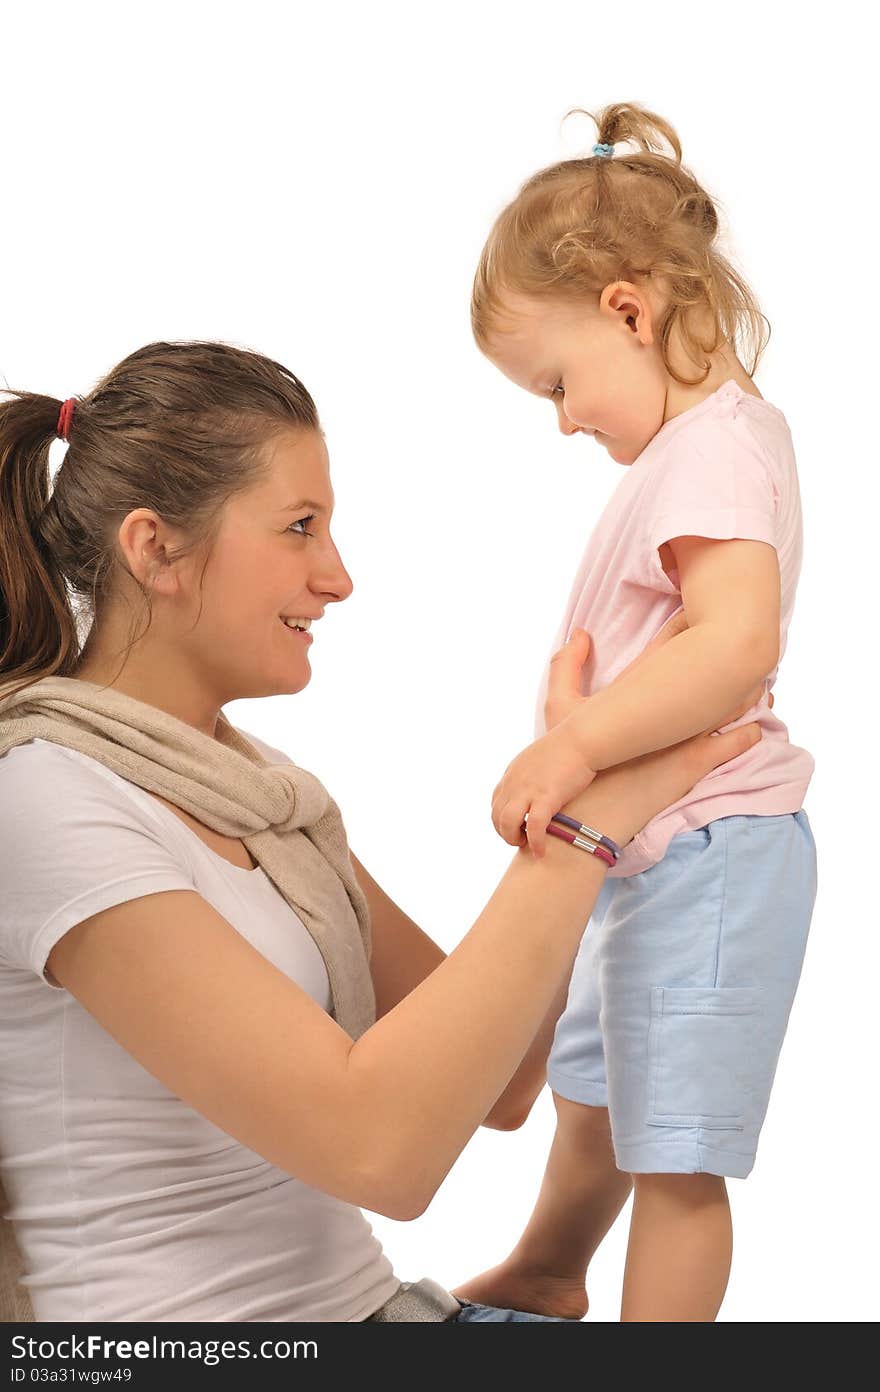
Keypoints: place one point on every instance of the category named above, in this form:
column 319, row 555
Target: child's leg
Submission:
column 680, row 1247
column 583, row 1190
column 701, row 960
column 581, row 1195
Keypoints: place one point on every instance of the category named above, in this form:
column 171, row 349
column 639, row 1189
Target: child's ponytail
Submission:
column 582, row 224
column 624, row 121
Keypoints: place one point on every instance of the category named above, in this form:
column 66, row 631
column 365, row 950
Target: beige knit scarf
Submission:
column 284, row 816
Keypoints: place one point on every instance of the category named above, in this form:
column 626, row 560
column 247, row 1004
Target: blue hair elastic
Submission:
column 605, row 150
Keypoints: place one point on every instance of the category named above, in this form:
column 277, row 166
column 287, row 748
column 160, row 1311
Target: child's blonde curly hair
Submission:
column 581, row 224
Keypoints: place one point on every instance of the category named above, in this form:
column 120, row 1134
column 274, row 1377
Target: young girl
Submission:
column 602, row 288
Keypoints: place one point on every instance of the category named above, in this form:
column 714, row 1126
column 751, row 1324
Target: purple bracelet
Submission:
column 581, row 842
column 583, row 830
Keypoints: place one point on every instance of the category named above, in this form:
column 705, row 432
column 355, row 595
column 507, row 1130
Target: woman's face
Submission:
column 273, row 558
column 216, row 631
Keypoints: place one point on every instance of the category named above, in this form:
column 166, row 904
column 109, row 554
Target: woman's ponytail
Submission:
column 38, row 632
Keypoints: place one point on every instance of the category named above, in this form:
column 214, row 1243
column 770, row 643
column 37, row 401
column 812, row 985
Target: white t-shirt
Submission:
column 126, row 1203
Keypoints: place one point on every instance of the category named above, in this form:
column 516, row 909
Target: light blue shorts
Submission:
column 681, row 993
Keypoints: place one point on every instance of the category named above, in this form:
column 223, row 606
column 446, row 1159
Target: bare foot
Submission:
column 509, row 1286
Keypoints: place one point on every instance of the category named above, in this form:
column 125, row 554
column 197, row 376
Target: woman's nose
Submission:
column 331, row 578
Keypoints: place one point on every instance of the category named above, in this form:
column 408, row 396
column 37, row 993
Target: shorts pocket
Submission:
column 700, row 1042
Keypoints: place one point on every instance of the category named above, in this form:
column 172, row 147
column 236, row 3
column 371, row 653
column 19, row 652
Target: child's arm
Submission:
column 731, row 596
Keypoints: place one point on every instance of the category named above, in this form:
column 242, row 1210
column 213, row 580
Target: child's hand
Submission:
column 553, row 770
column 542, row 779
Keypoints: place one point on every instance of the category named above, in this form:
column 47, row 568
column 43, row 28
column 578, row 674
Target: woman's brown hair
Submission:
column 582, row 224
column 178, row 427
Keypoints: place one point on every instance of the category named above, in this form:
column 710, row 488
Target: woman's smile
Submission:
column 301, row 633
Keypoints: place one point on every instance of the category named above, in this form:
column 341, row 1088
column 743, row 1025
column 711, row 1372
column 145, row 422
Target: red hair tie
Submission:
column 65, row 416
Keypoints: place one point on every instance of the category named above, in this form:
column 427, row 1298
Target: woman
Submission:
column 220, row 1037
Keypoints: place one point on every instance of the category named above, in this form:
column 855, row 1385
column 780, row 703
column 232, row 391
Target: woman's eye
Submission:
column 558, row 388
column 302, row 523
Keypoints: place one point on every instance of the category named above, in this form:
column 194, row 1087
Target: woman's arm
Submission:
column 434, row 1066
column 378, row 1121
column 403, row 955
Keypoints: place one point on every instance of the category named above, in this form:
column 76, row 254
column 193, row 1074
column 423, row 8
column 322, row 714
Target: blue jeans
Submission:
column 471, row 1313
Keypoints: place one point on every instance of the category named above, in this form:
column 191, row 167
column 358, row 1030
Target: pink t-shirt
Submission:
column 725, row 468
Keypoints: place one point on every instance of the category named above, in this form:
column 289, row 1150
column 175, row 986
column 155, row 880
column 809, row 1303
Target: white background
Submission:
column 316, row 182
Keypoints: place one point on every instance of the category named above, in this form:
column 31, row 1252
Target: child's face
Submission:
column 600, row 366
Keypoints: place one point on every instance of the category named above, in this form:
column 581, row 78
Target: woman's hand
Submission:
column 551, row 772
column 623, row 799
column 630, row 794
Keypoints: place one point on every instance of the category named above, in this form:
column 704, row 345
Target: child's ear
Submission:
column 631, row 306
